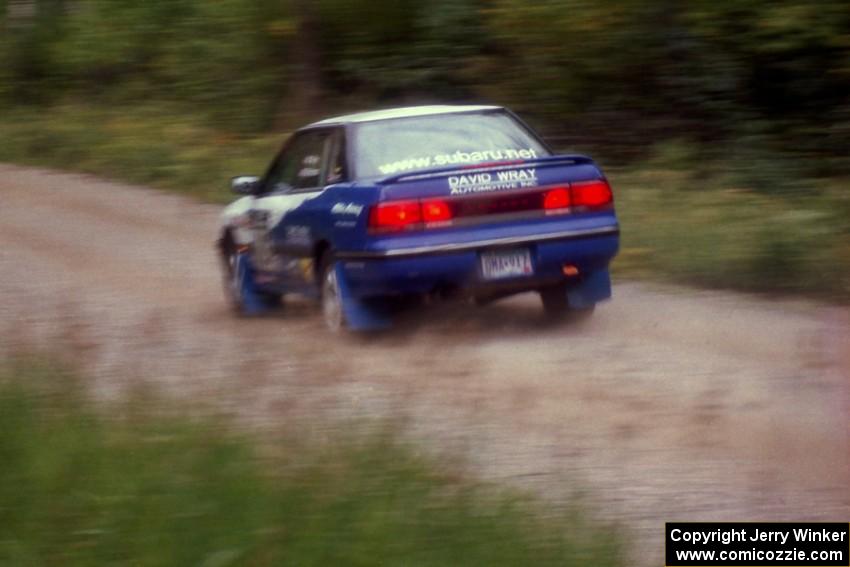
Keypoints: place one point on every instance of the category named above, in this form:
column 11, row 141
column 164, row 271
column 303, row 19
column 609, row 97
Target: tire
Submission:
column 233, row 289
column 556, row 305
column 230, row 278
column 331, row 300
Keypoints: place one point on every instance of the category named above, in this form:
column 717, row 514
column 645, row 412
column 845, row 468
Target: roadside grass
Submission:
column 151, row 145
column 753, row 223
column 137, row 483
column 700, row 224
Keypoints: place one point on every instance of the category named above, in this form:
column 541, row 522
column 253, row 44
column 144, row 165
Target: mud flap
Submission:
column 251, row 301
column 594, row 287
column 361, row 314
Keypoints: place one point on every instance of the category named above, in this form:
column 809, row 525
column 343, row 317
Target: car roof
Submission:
column 403, row 112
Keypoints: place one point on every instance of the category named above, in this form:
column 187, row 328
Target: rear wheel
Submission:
column 331, row 298
column 556, row 305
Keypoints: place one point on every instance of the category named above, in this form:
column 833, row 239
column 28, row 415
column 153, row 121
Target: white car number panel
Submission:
column 278, row 205
column 265, row 214
column 501, row 264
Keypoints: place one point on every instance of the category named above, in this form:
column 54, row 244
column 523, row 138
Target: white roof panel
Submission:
column 405, row 112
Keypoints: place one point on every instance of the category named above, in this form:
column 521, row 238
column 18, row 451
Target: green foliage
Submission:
column 402, row 49
column 612, row 73
column 215, row 58
column 707, row 70
column 211, row 56
column 27, row 45
column 135, row 485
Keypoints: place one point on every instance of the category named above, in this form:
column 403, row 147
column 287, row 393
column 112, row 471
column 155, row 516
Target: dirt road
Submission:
column 671, row 404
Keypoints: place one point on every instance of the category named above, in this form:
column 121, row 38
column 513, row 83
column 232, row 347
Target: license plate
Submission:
column 500, row 264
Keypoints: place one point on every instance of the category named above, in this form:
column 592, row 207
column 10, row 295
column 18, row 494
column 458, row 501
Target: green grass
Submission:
column 131, row 484
column 753, row 222
column 151, row 145
column 684, row 224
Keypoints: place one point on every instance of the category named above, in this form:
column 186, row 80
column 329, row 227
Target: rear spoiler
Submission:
column 548, row 161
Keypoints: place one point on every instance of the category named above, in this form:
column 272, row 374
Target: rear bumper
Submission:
column 480, row 244
column 456, row 266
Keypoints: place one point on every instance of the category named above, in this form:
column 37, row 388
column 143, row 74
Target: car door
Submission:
column 296, row 176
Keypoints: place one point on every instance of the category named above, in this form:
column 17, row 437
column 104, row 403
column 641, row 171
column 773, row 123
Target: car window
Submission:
column 387, row 147
column 336, row 170
column 299, row 167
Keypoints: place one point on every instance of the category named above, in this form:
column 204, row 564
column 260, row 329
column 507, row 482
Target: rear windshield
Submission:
column 402, row 145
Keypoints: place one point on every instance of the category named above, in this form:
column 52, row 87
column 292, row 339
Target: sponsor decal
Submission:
column 457, row 158
column 242, row 221
column 306, row 172
column 298, row 234
column 498, row 181
column 306, row 266
column 347, row 209
column 309, row 166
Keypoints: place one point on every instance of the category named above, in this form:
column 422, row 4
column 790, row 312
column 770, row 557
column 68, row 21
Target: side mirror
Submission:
column 244, row 184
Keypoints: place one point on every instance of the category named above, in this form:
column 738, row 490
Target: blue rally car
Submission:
column 367, row 211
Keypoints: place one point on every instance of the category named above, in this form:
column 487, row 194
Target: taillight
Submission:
column 393, row 216
column 436, row 210
column 558, row 198
column 591, row 194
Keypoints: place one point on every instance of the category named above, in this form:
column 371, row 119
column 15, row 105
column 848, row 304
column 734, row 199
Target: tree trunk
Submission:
column 302, row 100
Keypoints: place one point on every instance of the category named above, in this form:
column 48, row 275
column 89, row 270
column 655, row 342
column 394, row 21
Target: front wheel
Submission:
column 239, row 286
